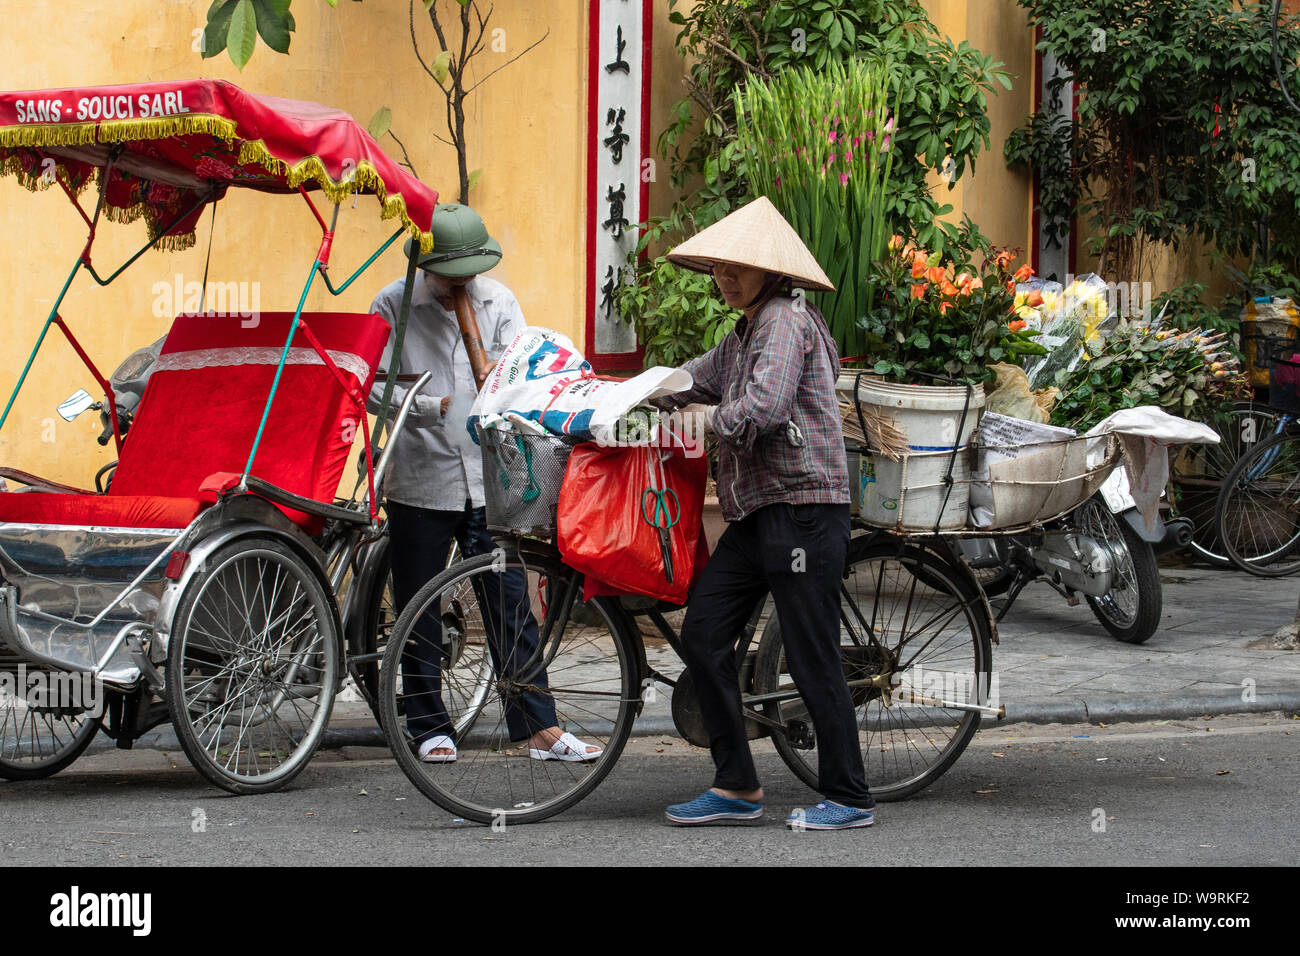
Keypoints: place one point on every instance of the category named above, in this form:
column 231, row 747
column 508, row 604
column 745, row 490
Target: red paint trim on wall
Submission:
column 606, row 361
column 593, row 64
column 1035, row 216
column 1071, row 260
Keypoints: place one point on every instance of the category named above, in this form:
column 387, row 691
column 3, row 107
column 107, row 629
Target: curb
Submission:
column 1046, row 710
column 1121, row 708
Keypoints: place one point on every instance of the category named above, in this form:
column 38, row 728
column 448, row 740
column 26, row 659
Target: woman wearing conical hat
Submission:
column 768, row 392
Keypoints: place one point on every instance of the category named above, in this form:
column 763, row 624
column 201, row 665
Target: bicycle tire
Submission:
column 366, row 647
column 900, row 755
column 256, row 620
column 1247, row 425
column 1259, row 509
column 493, row 779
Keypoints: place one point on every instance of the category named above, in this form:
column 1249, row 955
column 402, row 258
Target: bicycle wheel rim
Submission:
column 935, row 631
column 253, row 668
column 1259, row 510
column 584, row 671
column 1200, row 469
column 36, row 742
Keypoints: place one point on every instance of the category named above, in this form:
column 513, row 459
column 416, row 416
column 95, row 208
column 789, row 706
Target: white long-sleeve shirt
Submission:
column 436, row 464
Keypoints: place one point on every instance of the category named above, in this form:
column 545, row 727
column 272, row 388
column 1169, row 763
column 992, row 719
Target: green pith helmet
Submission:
column 461, row 244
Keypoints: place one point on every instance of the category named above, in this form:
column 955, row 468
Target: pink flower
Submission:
column 884, row 147
column 848, row 156
column 856, row 140
column 889, row 127
column 778, row 182
column 871, row 137
column 831, row 161
column 844, row 179
column 831, row 138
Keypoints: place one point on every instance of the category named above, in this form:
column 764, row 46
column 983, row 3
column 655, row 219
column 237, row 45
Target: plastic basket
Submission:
column 522, row 475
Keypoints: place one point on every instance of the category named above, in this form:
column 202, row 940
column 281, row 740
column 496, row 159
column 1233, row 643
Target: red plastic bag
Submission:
column 607, row 503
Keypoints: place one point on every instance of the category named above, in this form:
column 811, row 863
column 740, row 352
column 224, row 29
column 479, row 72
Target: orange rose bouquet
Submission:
column 947, row 313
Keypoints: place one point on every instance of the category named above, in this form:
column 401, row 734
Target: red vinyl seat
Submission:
column 200, row 413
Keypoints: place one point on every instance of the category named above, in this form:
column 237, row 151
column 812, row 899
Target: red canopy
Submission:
column 185, row 140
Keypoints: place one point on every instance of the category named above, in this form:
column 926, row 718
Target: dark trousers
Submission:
column 797, row 553
column 419, row 540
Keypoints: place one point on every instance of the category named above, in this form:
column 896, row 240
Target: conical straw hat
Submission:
column 754, row 235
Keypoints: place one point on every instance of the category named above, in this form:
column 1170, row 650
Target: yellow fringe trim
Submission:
column 12, row 166
column 175, row 243
column 365, row 176
column 120, row 131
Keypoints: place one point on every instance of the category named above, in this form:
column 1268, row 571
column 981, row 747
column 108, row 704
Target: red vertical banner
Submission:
column 618, row 169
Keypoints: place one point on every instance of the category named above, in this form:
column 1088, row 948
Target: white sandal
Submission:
column 568, row 748
column 441, row 742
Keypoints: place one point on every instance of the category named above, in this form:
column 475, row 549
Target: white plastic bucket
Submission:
column 909, row 494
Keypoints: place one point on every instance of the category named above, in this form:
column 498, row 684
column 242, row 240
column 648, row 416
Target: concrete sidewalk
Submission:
column 1056, row 664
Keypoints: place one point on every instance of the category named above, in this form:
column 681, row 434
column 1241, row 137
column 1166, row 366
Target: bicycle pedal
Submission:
column 800, row 735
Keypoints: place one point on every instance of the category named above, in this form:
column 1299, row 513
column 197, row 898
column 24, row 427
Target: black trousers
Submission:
column 419, row 540
column 797, row 553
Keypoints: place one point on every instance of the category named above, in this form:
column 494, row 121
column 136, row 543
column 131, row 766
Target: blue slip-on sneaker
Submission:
column 828, row 815
column 713, row 808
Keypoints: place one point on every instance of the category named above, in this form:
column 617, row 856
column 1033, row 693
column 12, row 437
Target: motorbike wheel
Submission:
column 1130, row 610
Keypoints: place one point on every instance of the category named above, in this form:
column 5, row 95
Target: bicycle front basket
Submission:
column 1284, row 384
column 522, row 475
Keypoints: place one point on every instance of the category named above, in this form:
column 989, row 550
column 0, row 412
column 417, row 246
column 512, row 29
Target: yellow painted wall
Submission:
column 525, row 129
column 998, row 199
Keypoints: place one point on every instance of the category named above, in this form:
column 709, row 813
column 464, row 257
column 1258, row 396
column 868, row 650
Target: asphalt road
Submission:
column 1192, row 792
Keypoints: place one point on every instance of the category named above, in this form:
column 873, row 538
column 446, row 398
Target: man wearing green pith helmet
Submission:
column 434, row 488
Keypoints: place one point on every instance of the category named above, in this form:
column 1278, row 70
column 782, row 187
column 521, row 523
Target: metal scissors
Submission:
column 667, row 512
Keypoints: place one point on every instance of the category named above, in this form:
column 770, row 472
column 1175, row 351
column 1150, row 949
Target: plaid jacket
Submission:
column 779, row 369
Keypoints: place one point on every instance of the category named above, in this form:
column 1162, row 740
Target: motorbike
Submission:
column 1102, row 551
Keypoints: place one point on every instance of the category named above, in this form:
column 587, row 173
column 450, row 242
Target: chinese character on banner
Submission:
column 618, row 91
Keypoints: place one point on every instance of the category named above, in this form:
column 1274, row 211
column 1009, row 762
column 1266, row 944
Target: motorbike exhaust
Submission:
column 1178, row 535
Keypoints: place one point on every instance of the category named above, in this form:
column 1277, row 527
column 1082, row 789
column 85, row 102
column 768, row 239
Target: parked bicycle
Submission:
column 1258, row 513
column 917, row 645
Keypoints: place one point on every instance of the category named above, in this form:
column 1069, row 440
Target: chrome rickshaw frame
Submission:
column 103, row 605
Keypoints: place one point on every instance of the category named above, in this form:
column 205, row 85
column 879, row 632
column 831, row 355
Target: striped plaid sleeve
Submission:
column 780, row 340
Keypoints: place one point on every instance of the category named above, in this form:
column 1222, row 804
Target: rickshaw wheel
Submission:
column 35, row 744
column 913, row 620
column 252, row 666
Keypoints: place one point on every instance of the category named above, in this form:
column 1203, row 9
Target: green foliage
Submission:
column 943, row 312
column 939, row 90
column 235, row 25
column 1184, row 307
column 818, row 145
column 1182, row 129
column 679, row 316
column 1138, row 365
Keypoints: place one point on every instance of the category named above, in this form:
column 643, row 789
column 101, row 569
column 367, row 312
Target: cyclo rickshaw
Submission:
column 214, row 579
